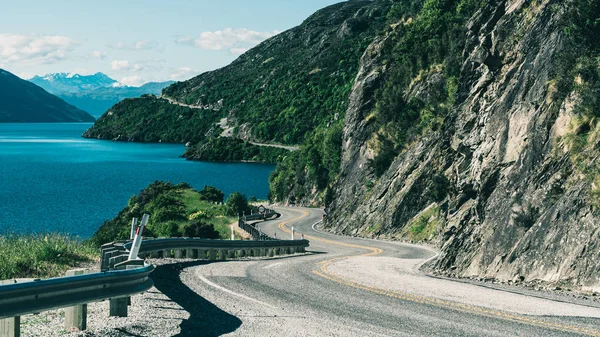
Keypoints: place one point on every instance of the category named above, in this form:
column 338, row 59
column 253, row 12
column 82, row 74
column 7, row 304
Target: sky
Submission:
column 135, row 41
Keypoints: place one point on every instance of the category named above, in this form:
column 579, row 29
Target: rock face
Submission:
column 515, row 204
column 25, row 102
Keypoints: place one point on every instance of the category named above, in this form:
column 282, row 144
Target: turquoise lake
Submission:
column 52, row 180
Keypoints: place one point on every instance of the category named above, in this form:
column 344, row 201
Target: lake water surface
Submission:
column 53, row 180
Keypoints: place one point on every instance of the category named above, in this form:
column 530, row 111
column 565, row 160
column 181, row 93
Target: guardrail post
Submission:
column 166, row 254
column 202, row 254
column 212, row 254
column 222, row 254
column 10, row 327
column 76, row 316
column 231, row 254
column 118, row 307
column 189, row 253
column 178, row 253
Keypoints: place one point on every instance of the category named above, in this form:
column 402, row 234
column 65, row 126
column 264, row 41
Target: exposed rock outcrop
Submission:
column 514, row 205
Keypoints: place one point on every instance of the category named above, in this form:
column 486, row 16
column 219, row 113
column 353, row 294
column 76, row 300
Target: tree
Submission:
column 210, row 193
column 237, row 204
column 200, row 229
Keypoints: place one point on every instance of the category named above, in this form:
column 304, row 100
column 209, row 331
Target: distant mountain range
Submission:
column 24, row 102
column 93, row 93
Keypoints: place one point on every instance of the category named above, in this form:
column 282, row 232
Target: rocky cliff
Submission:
column 507, row 184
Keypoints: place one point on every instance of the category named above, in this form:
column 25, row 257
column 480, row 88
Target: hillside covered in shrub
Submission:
column 176, row 211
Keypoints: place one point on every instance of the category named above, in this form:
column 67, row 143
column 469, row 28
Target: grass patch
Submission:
column 372, row 229
column 424, row 226
column 42, row 255
column 207, row 211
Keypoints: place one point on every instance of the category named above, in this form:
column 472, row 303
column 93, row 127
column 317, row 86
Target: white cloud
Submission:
column 34, row 49
column 136, row 45
column 125, row 65
column 134, row 81
column 98, row 54
column 183, row 73
column 120, row 65
column 235, row 40
column 239, row 51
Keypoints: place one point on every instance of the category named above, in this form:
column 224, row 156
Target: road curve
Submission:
column 357, row 287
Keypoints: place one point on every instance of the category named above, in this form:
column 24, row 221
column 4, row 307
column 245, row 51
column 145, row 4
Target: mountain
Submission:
column 61, row 83
column 24, row 102
column 469, row 124
column 279, row 91
column 94, row 93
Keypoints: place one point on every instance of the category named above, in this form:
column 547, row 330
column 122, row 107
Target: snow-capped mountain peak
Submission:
column 73, row 82
column 118, row 85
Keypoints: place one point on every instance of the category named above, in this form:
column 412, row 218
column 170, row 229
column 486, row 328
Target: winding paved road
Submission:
column 358, row 287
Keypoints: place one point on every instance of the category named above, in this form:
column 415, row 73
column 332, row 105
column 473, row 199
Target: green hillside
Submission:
column 24, row 102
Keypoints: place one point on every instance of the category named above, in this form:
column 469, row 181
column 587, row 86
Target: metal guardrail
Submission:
column 152, row 245
column 116, row 252
column 35, row 296
column 255, row 232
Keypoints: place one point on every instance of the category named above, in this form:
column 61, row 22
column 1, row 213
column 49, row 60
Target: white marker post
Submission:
column 292, row 232
column 232, row 235
column 259, row 233
column 137, row 240
column 134, row 223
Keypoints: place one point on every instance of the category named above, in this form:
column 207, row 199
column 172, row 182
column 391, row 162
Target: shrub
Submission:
column 210, row 193
column 200, row 229
column 237, row 204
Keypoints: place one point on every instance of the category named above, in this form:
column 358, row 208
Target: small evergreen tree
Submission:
column 237, row 204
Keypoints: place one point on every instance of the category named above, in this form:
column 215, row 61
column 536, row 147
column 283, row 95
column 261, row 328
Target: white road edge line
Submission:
column 416, row 268
column 216, row 286
column 315, row 229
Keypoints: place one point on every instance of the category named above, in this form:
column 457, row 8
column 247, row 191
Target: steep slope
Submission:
column 23, row 102
column 506, row 180
column 94, row 93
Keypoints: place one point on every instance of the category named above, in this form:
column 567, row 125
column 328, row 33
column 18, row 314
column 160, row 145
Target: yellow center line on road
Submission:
column 325, row 273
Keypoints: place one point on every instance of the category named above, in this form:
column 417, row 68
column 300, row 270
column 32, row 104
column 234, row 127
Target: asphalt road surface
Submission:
column 357, row 287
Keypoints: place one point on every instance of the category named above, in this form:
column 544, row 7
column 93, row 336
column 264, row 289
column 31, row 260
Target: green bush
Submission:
column 209, row 193
column 237, row 204
column 201, row 229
